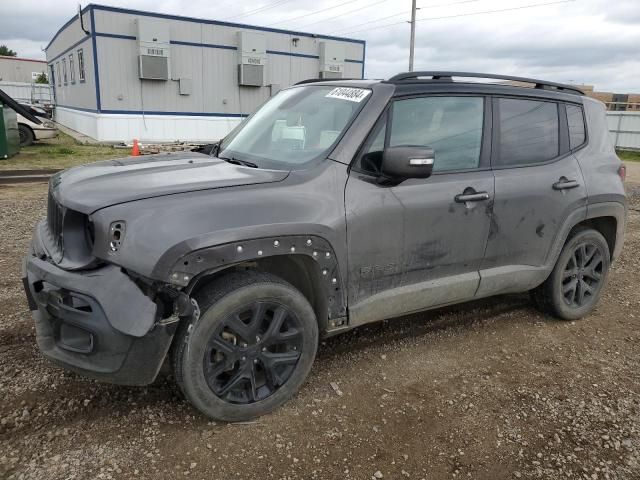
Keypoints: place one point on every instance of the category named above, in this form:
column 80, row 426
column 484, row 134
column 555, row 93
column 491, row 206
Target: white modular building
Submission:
column 21, row 70
column 120, row 74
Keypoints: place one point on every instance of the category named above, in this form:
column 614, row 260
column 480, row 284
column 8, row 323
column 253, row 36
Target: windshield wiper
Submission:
column 235, row 161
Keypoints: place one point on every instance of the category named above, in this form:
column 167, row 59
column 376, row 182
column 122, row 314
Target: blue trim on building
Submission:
column 292, row 54
column 96, row 80
column 204, row 45
column 65, row 26
column 105, row 8
column 160, row 113
column 214, row 45
column 184, row 114
column 68, row 50
column 364, row 56
column 80, row 109
column 115, row 35
column 220, row 23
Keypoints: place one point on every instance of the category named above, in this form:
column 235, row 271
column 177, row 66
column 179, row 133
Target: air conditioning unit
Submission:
column 331, row 60
column 154, row 49
column 252, row 58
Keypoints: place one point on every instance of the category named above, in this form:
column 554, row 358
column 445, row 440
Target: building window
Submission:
column 575, row 120
column 58, row 73
column 529, row 132
column 72, row 71
column 64, row 71
column 81, row 65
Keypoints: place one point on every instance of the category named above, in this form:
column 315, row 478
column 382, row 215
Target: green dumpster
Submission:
column 9, row 134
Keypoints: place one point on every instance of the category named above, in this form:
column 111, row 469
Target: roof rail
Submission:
column 448, row 77
column 314, row 80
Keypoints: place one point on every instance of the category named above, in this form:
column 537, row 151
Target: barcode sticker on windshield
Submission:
column 350, row 94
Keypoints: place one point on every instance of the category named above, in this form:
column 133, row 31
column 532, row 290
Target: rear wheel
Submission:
column 251, row 348
column 575, row 284
column 26, row 135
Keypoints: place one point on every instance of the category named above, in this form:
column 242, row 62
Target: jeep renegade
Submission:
column 336, row 204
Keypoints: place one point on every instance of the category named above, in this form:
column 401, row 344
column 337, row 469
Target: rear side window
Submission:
column 575, row 119
column 529, row 132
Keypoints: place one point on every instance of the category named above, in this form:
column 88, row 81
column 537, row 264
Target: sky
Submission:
column 594, row 42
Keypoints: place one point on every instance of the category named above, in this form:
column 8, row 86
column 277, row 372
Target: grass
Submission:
column 60, row 152
column 628, row 155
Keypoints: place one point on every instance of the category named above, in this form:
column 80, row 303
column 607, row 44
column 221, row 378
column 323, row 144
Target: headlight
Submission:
column 48, row 125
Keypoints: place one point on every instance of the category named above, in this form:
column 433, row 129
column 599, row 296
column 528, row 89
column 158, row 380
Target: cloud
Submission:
column 590, row 41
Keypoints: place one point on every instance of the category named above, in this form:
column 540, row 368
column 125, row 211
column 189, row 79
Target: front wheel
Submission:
column 250, row 350
column 575, row 284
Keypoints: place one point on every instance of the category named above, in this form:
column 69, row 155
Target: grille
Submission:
column 55, row 219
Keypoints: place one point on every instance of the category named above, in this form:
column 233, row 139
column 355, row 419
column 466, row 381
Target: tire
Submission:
column 575, row 283
column 26, row 135
column 233, row 367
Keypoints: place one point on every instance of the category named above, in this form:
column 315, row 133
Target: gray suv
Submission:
column 336, row 204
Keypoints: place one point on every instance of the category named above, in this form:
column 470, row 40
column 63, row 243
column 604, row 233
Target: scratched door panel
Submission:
column 528, row 212
column 444, row 237
column 413, row 246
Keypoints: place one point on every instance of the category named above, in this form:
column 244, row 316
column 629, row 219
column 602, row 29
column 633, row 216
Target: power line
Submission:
column 346, row 13
column 404, row 13
column 312, row 13
column 522, row 7
column 261, row 9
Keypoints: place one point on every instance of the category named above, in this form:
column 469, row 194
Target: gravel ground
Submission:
column 490, row 389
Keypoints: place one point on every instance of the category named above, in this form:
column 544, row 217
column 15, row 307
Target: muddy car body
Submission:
column 378, row 199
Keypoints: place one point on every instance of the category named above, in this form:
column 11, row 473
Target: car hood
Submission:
column 91, row 187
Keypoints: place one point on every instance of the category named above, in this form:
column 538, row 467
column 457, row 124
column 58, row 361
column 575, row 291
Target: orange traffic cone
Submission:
column 135, row 151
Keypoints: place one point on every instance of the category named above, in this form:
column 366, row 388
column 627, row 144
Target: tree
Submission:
column 7, row 52
column 42, row 78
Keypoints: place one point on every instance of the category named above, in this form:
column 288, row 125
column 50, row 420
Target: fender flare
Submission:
column 616, row 210
column 193, row 266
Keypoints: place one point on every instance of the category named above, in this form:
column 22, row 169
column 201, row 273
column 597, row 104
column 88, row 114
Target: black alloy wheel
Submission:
column 574, row 286
column 253, row 352
column 250, row 349
column 582, row 274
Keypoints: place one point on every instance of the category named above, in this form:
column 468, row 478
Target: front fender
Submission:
column 188, row 269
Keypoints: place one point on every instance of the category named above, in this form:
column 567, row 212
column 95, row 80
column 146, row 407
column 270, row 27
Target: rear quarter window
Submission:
column 575, row 121
column 528, row 132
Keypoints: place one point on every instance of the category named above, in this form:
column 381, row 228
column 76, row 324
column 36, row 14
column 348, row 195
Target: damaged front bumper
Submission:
column 97, row 323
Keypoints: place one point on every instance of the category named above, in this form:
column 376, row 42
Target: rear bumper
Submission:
column 96, row 323
column 42, row 133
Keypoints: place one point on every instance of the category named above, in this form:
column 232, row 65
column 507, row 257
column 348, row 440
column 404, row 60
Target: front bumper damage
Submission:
column 98, row 323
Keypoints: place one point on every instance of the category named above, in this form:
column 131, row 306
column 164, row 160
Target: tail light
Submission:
column 622, row 172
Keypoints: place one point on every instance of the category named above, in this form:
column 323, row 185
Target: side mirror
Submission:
column 401, row 163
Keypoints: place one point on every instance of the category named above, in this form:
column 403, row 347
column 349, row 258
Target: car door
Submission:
column 419, row 243
column 538, row 185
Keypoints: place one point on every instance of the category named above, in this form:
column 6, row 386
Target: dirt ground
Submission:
column 488, row 390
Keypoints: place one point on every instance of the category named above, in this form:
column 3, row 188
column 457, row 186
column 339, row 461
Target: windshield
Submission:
column 294, row 127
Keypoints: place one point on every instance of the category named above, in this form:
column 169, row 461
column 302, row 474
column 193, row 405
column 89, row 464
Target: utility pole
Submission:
column 413, row 34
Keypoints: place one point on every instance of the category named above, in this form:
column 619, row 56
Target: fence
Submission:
column 28, row 92
column 624, row 128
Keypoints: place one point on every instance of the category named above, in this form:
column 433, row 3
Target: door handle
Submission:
column 471, row 197
column 565, row 184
